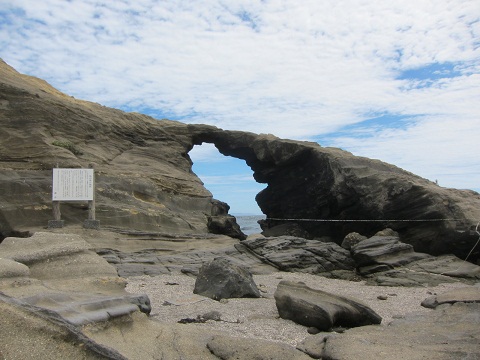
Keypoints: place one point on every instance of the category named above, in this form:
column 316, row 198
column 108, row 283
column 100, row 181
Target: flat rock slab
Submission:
column 80, row 309
column 315, row 308
column 408, row 278
column 42, row 246
column 229, row 348
column 28, row 332
column 465, row 295
column 59, row 274
column 448, row 333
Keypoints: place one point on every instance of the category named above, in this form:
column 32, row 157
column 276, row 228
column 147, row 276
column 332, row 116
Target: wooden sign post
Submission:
column 73, row 185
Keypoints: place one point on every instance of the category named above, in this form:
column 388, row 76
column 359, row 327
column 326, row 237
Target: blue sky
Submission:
column 396, row 81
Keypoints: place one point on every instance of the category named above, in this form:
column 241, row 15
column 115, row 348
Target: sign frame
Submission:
column 73, row 184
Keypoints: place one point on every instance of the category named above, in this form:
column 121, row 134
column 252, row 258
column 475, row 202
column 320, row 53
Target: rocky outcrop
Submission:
column 307, row 183
column 60, row 273
column 220, row 279
column 288, row 253
column 447, row 333
column 228, row 348
column 386, row 261
column 319, row 309
column 145, row 180
column 383, row 253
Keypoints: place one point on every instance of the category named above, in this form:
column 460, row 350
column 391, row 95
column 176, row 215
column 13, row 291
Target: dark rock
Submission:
column 220, row 279
column 220, row 222
column 288, row 253
column 386, row 251
column 447, row 333
column 200, row 319
column 385, row 261
column 311, row 183
column 229, row 348
column 316, row 308
column 352, row 239
column 465, row 295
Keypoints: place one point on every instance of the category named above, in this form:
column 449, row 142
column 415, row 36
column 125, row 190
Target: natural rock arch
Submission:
column 326, row 188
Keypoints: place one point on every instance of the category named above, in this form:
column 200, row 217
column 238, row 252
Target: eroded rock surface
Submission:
column 447, row 333
column 383, row 253
column 288, row 253
column 319, row 309
column 228, row 348
column 60, row 273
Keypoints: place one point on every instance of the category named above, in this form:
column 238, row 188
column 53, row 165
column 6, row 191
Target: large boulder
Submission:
column 319, row 309
column 220, row 279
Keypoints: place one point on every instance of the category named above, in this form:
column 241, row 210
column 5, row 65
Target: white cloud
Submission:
column 294, row 69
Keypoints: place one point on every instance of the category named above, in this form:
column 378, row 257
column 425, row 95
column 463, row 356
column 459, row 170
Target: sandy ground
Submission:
column 173, row 299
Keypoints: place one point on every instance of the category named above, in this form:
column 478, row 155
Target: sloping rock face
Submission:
column 145, row 179
column 143, row 172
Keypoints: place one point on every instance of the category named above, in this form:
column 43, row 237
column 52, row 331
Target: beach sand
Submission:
column 172, row 299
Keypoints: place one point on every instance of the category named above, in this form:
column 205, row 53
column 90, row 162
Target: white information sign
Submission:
column 72, row 185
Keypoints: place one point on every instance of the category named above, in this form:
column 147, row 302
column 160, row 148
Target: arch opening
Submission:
column 229, row 180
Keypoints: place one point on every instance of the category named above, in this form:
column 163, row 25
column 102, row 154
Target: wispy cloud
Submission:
column 303, row 70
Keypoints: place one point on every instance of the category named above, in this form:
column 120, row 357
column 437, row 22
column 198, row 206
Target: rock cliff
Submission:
column 145, row 180
column 143, row 172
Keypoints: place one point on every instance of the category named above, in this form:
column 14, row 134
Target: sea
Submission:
column 249, row 223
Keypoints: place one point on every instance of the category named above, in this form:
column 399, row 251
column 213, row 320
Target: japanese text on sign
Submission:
column 72, row 185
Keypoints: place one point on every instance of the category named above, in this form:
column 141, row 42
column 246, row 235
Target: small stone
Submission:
column 382, row 297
